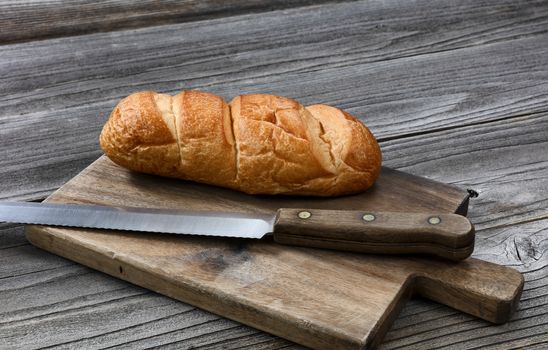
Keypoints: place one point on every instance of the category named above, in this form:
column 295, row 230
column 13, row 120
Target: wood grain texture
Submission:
column 55, row 93
column 39, row 19
column 262, row 283
column 11, row 235
column 54, row 302
column 374, row 232
column 505, row 161
column 478, row 68
column 524, row 247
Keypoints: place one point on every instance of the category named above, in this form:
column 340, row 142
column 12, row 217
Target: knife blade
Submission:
column 138, row 219
column 446, row 235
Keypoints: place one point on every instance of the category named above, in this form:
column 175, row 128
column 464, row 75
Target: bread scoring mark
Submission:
column 177, row 117
column 328, row 142
column 177, row 138
column 147, row 123
column 234, row 143
column 333, row 126
column 164, row 105
column 227, row 123
column 320, row 149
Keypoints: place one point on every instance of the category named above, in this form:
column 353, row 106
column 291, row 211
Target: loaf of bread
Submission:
column 258, row 144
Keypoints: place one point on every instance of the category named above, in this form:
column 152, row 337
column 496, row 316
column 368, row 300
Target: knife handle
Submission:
column 449, row 236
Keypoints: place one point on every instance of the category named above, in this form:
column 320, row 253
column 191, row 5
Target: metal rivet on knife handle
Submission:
column 304, row 214
column 434, row 220
column 368, row 217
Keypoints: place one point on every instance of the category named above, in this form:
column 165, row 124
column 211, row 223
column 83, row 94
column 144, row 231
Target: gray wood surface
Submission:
column 39, row 19
column 456, row 91
column 505, row 161
column 71, row 84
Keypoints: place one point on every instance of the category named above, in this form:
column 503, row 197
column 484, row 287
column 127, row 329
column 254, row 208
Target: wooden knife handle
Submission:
column 450, row 236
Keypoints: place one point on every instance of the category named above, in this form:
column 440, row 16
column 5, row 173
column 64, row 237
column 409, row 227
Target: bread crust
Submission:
column 258, row 144
column 206, row 142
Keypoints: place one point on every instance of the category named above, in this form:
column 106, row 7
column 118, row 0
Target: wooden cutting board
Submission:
column 319, row 298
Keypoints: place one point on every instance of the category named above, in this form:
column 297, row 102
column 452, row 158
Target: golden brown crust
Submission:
column 275, row 153
column 136, row 134
column 205, row 138
column 356, row 153
column 259, row 144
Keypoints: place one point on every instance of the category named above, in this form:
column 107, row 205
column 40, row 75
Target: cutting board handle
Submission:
column 477, row 287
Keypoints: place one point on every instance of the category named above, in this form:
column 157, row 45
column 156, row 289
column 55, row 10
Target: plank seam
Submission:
column 453, row 127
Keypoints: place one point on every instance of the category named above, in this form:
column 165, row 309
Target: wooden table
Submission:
column 456, row 91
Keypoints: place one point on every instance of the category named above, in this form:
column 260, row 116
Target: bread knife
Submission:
column 450, row 236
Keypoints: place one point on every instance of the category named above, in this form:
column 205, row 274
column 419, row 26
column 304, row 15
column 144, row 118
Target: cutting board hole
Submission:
column 121, row 270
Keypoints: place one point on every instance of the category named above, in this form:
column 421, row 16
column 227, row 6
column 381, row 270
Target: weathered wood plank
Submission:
column 38, row 19
column 101, row 68
column 115, row 321
column 11, row 235
column 56, row 94
column 505, row 161
column 23, row 260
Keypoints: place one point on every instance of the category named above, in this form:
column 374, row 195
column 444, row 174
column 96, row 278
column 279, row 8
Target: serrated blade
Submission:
column 139, row 219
